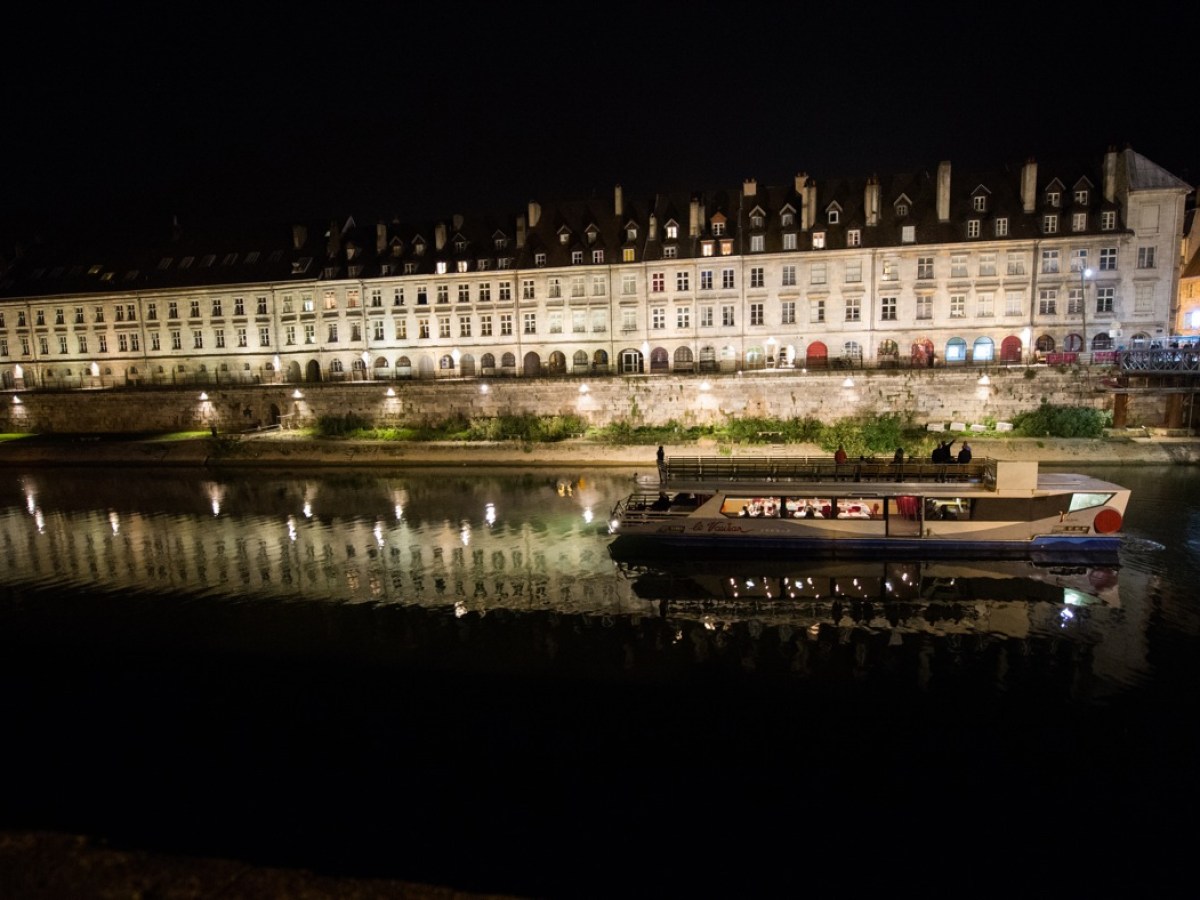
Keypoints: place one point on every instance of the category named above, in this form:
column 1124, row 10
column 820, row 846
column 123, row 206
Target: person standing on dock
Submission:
column 662, row 464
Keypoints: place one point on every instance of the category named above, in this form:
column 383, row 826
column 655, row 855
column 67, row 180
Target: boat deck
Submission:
column 718, row 470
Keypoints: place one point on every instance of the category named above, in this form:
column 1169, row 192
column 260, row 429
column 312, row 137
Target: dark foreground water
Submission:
column 445, row 677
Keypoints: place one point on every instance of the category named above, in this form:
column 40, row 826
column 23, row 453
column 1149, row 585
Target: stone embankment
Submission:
column 282, row 450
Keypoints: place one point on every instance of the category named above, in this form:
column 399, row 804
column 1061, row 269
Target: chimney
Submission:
column 694, row 219
column 439, row 235
column 801, row 178
column 871, row 200
column 810, row 204
column 652, row 228
column 943, row 191
column 380, row 239
column 334, row 244
column 1029, row 185
column 1110, row 175
column 618, row 202
column 458, row 221
column 520, row 231
column 749, row 187
column 535, row 213
column 299, row 237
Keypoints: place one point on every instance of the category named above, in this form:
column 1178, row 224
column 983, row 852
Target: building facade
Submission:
column 1012, row 266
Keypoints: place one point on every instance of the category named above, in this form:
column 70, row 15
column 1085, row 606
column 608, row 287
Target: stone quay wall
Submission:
column 930, row 396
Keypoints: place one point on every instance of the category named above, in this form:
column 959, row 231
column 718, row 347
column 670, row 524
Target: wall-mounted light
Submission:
column 583, row 389
column 705, row 386
column 296, row 395
column 17, row 400
column 848, row 383
column 984, row 380
column 483, row 389
column 203, row 397
column 391, row 392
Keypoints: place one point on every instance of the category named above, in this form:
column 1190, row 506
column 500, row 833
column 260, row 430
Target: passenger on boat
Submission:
column 663, row 502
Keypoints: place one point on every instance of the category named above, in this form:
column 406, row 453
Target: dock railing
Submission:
column 716, row 469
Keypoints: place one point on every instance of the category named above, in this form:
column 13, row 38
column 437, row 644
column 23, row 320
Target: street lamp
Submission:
column 1084, row 274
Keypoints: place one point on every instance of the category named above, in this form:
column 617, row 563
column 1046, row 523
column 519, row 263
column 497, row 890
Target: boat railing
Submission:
column 716, row 469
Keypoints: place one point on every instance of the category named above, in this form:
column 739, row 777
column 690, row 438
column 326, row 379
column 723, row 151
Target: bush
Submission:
column 1049, row 420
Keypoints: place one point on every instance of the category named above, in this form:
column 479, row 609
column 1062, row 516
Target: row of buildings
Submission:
column 939, row 267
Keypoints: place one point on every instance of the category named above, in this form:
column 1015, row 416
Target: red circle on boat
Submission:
column 1107, row 521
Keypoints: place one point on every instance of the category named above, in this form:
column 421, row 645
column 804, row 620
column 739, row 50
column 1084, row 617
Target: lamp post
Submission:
column 1084, row 274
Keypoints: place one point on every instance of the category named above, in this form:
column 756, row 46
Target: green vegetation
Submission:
column 1049, row 420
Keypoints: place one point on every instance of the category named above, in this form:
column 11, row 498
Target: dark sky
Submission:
column 224, row 115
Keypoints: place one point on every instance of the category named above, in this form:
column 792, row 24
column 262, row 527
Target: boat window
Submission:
column 1081, row 500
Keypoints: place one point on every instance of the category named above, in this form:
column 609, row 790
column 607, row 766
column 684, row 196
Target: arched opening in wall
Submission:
column 600, row 362
column 293, row 371
column 683, row 361
column 445, row 364
column 852, row 354
column 425, row 366
column 659, row 361
column 1010, row 349
column 888, row 354
column 1045, row 344
column 956, row 351
column 556, row 363
column 983, row 350
column 708, row 358
column 337, row 372
column 816, row 356
column 132, row 376
column 921, row 354
column 466, row 365
column 358, row 369
column 532, row 365
column 1139, row 341
column 579, row 362
column 756, row 359
column 487, row 364
column 404, row 367
column 631, row 361
column 1101, row 342
column 787, row 357
column 379, row 368
column 9, row 379
column 273, row 414
column 1072, row 343
column 312, row 371
column 729, row 359
column 508, row 364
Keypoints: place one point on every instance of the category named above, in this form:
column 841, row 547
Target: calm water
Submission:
column 445, row 676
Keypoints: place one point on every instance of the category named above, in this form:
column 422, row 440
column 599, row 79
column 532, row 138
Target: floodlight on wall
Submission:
column 17, row 401
column 984, row 380
column 483, row 389
column 391, row 392
column 296, row 395
column 705, row 386
column 583, row 389
column 848, row 383
column 203, row 397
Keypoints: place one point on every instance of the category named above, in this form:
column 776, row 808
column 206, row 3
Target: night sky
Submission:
column 227, row 115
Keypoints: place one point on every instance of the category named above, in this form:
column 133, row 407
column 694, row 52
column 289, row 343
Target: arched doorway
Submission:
column 532, row 365
column 556, row 363
column 921, row 354
column 600, row 362
column 659, row 361
column 466, row 365
column 312, row 372
column 631, row 362
column 683, row 360
column 816, row 356
column 1011, row 350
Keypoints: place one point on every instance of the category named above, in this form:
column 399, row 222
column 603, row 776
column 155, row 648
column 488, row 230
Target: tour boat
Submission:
column 814, row 506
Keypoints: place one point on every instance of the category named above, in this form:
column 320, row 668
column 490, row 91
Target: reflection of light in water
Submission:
column 464, row 533
column 115, row 521
column 378, row 532
column 291, row 528
column 30, row 502
column 489, row 514
column 40, row 520
column 1066, row 615
column 587, row 514
column 710, row 623
column 460, row 609
column 216, row 507
column 307, row 510
column 216, row 494
column 399, row 512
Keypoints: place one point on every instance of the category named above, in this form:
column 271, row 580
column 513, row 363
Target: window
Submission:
column 1050, row 224
column 924, row 306
column 818, row 240
column 1002, row 227
column 788, row 276
column 485, row 325
column 443, row 326
column 958, row 265
column 908, row 234
column 706, row 279
column 756, row 276
column 853, row 238
column 197, row 339
column 1015, row 264
column 972, row 228
column 440, row 267
column 984, row 305
column 1047, row 302
column 577, row 257
column 527, row 291
column 1108, row 259
column 789, row 241
column 1081, row 197
column 79, row 314
column 423, row 327
column 1108, row 220
column 628, row 283
column 727, row 280
column 99, row 317
column 816, row 311
column 854, row 271
column 1053, row 198
column 289, row 335
column 599, row 285
column 853, row 309
column 1145, row 258
column 505, row 292
column 683, row 317
column 1049, row 262
column 669, row 251
column 979, row 203
column 706, row 317
column 328, row 302
column 83, row 345
column 628, row 254
column 658, row 318
column 891, row 270
column 576, row 285
column 757, row 243
column 1143, row 299
column 443, row 293
column 787, row 312
column 727, row 318
column 597, row 257
column 1074, row 301
column 718, row 228
column 539, row 259
column 987, row 265
column 925, row 268
column 658, row 282
column 1079, row 259
column 485, row 292
column 578, row 321
column 629, row 320
column 377, row 330
column 1014, row 303
column 464, row 293
column 818, row 273
column 887, row 309
column 756, row 314
column 332, row 337
column 1079, row 221
column 506, row 324
column 958, row 306
column 310, row 334
column 1105, row 299
column 62, row 342
column 683, row 282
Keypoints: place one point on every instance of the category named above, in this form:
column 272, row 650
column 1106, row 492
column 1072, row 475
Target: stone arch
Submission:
column 312, row 372
column 532, row 365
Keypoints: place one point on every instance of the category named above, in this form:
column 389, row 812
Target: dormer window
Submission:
column 463, row 265
column 818, row 240
column 563, row 237
column 631, row 233
column 441, row 267
column 576, row 257
column 591, row 235
column 418, row 248
column 500, row 243
column 756, row 220
column 539, row 259
column 460, row 245
column 833, row 215
column 787, row 219
column 1053, row 199
column 672, row 231
column 901, row 209
column 718, row 227
column 979, row 203
column 1082, row 197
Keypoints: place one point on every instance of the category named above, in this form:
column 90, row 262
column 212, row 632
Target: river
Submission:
column 445, row 677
